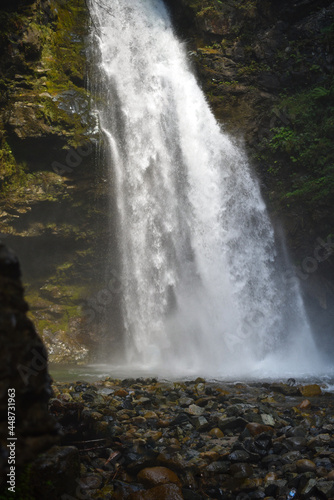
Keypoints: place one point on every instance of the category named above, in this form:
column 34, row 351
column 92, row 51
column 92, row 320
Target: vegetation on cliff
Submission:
column 42, row 75
column 51, row 201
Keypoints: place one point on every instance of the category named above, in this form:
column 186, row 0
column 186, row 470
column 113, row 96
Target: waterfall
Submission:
column 202, row 287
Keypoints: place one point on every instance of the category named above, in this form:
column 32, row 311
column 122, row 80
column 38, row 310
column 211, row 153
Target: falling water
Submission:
column 202, row 287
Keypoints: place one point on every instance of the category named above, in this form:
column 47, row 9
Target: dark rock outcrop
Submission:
column 25, row 385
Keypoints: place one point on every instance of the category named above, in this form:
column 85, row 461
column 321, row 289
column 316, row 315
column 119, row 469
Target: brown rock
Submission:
column 122, row 393
column 310, row 390
column 211, row 455
column 154, row 476
column 155, row 435
column 271, row 476
column 305, row 405
column 150, row 414
column 304, row 465
column 255, row 428
column 216, row 433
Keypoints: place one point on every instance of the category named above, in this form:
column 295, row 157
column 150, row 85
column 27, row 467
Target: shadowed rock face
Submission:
column 23, row 369
column 12, row 5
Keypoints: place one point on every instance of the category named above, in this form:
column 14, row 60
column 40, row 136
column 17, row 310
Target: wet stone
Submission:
column 326, row 488
column 192, row 445
column 267, row 419
column 309, row 488
column 298, row 431
column 231, row 423
column 91, row 481
column 285, row 389
column 200, row 423
column 255, row 428
column 157, row 475
column 185, row 402
column 270, row 477
column 241, row 470
column 296, row 443
column 291, row 456
column 305, row 465
column 216, row 432
column 218, row 467
column 195, row 410
column 239, row 456
column 310, row 390
column 305, row 405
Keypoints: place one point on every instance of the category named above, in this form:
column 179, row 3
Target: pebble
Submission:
column 149, row 440
column 216, row 432
column 267, row 419
column 305, row 405
column 195, row 410
column 304, row 465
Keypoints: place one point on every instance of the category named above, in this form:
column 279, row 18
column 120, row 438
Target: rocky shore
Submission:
column 146, row 439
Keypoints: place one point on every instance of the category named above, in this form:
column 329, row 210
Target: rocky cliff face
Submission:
column 52, row 208
column 267, row 70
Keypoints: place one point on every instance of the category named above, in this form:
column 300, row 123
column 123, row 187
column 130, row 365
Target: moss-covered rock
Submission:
column 52, row 197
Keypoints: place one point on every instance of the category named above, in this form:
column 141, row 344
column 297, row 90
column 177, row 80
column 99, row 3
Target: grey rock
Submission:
column 239, row 456
column 326, row 488
column 201, row 423
column 218, row 467
column 309, row 487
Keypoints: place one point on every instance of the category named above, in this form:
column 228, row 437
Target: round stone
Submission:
column 153, row 476
column 304, row 465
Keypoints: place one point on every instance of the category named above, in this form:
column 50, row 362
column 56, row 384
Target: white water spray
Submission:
column 202, row 292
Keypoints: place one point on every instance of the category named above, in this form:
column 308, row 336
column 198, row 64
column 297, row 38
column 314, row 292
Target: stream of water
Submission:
column 202, row 282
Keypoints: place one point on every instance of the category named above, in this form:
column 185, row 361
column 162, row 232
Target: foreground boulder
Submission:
column 25, row 385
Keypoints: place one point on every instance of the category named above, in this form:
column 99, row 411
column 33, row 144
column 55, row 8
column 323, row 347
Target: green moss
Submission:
column 63, row 59
column 300, row 155
column 252, row 68
column 207, row 11
column 22, row 488
column 59, row 69
column 12, row 175
column 63, row 53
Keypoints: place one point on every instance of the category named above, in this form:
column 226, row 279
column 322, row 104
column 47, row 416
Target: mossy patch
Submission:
column 12, row 175
column 22, row 487
column 302, row 151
